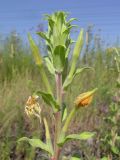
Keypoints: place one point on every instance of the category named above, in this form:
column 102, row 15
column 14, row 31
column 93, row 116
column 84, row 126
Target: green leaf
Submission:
column 59, row 58
column 104, row 158
column 115, row 150
column 51, row 23
column 76, row 53
column 69, row 79
column 72, row 158
column 64, row 112
column 81, row 136
column 36, row 143
column 75, row 158
column 35, row 51
column 64, row 158
column 44, row 36
column 49, row 65
column 39, row 62
column 118, row 138
column 72, row 19
column 67, row 30
column 79, row 70
column 48, row 138
column 48, row 99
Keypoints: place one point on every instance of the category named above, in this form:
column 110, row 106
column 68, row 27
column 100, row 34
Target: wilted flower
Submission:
column 32, row 106
column 84, row 98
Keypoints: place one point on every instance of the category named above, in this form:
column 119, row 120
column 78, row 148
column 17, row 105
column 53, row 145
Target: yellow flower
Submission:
column 84, row 98
column 32, row 107
column 31, row 100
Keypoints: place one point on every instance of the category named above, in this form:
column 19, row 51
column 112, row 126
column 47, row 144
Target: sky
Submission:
column 25, row 15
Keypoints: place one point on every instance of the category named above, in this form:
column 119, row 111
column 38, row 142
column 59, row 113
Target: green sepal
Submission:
column 82, row 136
column 59, row 58
column 36, row 143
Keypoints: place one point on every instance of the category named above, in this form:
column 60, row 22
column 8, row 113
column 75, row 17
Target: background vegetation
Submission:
column 19, row 77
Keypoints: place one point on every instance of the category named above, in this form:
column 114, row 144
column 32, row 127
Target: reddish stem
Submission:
column 58, row 116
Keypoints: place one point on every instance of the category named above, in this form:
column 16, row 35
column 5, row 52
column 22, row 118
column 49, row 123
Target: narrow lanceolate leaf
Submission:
column 72, row 19
column 35, row 51
column 44, row 36
column 76, row 53
column 81, row 136
column 38, row 60
column 70, row 79
column 59, row 58
column 48, row 138
column 48, row 99
column 36, row 143
column 79, row 70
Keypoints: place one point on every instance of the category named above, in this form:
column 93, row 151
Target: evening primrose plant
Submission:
column 58, row 44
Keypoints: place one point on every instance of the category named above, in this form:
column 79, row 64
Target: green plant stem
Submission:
column 59, row 88
column 68, row 120
column 58, row 114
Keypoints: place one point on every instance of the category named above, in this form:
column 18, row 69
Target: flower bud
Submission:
column 84, row 98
